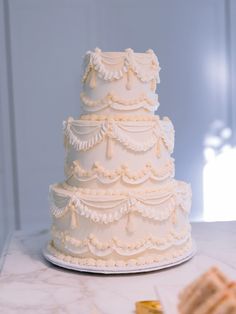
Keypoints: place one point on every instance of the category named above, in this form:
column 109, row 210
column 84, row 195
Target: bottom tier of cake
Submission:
column 140, row 264
column 120, row 228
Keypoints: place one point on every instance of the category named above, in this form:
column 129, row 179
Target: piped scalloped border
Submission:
column 111, row 100
column 129, row 265
column 107, row 206
column 122, row 173
column 97, row 248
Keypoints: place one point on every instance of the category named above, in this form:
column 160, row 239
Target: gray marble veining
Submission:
column 29, row 284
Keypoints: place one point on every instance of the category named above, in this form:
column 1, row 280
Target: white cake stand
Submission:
column 120, row 270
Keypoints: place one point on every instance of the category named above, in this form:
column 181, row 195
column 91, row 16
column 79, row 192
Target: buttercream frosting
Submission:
column 78, row 176
column 119, row 205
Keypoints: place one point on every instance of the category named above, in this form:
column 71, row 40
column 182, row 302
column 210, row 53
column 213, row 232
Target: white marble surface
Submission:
column 29, row 284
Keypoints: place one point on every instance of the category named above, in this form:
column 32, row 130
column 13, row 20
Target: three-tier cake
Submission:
column 120, row 206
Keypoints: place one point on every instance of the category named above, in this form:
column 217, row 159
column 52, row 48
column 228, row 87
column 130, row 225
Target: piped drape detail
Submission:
column 111, row 100
column 84, row 135
column 107, row 208
column 144, row 66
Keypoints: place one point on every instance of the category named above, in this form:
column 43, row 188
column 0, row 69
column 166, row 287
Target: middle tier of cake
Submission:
column 118, row 152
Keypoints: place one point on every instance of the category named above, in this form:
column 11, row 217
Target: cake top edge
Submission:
column 97, row 50
column 114, row 65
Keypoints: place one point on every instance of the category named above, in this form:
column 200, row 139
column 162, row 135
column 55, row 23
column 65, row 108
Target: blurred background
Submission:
column 42, row 43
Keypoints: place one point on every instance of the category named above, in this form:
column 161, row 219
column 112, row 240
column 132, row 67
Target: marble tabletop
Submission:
column 29, row 284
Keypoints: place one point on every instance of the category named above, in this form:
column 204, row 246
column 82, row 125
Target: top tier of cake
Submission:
column 120, row 82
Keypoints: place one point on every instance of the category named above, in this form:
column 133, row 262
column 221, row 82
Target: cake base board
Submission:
column 120, row 270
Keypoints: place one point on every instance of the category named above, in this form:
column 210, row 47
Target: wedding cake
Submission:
column 119, row 205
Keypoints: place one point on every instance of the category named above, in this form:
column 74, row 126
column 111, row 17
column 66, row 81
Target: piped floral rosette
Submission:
column 113, row 66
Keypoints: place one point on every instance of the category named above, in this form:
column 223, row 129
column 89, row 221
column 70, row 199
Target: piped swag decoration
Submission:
column 111, row 100
column 123, row 173
column 107, row 67
column 85, row 134
column 60, row 206
column 106, row 208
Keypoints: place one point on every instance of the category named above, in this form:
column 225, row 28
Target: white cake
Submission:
column 119, row 205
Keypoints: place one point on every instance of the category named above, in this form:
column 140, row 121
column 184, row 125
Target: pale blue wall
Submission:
column 47, row 40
